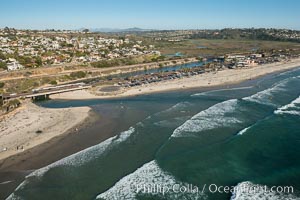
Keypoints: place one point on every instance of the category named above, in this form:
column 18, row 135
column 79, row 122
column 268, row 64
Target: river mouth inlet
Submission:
column 161, row 132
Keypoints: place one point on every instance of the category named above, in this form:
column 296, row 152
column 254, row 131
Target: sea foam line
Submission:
column 220, row 90
column 177, row 107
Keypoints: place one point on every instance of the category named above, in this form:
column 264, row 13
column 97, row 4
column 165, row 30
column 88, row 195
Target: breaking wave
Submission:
column 80, row 157
column 213, row 117
column 151, row 177
column 267, row 97
column 226, row 114
column 87, row 154
column 292, row 108
column 243, row 131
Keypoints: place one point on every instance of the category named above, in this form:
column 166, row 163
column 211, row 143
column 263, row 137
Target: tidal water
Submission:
column 245, row 133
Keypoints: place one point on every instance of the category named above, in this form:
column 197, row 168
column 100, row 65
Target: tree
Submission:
column 38, row 61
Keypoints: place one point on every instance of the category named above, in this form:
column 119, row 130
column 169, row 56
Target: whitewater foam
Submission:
column 177, row 107
column 87, row 154
column 265, row 97
column 213, row 117
column 243, row 131
column 220, row 90
column 148, row 175
column 291, row 108
column 6, row 182
column 291, row 112
column 288, row 72
column 80, row 157
column 249, row 191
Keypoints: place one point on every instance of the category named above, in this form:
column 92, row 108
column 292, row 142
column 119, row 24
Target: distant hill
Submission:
column 116, row 30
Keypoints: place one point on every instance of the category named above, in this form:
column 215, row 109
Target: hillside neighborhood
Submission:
column 23, row 48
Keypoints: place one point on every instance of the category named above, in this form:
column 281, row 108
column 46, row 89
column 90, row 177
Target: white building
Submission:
column 14, row 66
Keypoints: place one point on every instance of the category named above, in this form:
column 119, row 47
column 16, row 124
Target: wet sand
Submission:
column 27, row 136
column 16, row 167
column 95, row 129
column 32, row 125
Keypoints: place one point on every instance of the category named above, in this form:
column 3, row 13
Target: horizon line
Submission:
column 146, row 29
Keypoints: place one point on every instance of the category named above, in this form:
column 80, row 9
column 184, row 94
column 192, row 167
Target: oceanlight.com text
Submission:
column 210, row 188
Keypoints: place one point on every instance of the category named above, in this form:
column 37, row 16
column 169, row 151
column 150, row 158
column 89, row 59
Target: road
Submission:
column 46, row 91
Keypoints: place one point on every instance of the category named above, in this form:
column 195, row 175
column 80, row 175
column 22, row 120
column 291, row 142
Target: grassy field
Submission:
column 203, row 47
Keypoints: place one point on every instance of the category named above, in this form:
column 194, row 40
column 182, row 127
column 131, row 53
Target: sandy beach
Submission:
column 31, row 125
column 227, row 76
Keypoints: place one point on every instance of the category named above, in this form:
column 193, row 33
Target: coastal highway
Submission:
column 47, row 91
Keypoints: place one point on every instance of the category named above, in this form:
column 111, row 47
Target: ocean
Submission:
column 184, row 145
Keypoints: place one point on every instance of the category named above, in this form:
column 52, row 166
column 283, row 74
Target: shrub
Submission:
column 53, row 82
column 3, row 65
column 79, row 74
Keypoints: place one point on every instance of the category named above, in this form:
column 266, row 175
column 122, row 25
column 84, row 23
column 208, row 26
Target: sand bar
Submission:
column 31, row 125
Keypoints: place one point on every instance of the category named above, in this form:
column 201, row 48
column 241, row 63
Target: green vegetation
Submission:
column 218, row 47
column 14, row 102
column 25, row 85
column 53, row 82
column 104, row 63
column 2, row 56
column 248, row 34
column 158, row 58
column 38, row 61
column 3, row 65
column 10, row 105
column 127, row 61
column 2, row 84
column 79, row 74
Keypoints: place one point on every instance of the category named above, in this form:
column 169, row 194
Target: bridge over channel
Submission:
column 43, row 93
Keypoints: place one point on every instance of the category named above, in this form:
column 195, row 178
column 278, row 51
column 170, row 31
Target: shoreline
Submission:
column 18, row 166
column 209, row 79
column 31, row 125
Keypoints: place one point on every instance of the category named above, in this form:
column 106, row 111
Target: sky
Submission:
column 150, row 14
